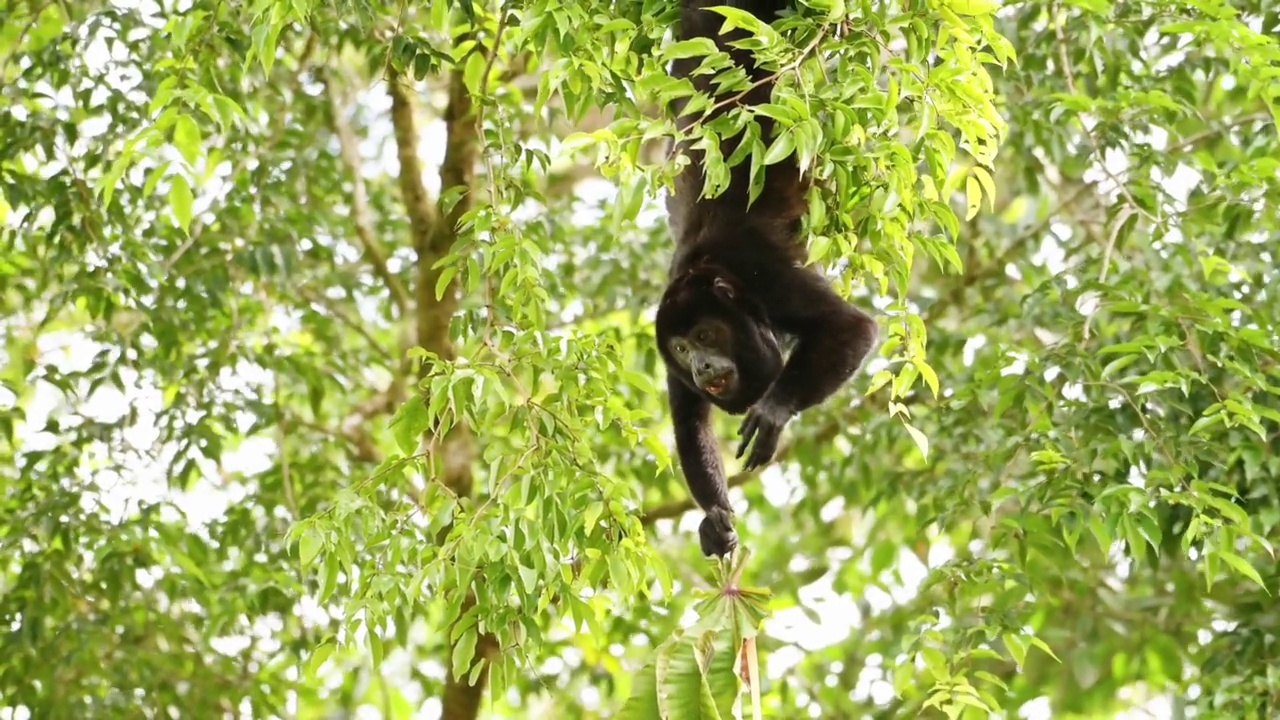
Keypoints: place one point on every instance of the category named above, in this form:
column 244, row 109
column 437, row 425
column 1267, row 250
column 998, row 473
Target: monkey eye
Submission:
column 680, row 348
column 704, row 335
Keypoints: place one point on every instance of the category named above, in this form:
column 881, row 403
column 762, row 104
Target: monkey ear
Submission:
column 723, row 287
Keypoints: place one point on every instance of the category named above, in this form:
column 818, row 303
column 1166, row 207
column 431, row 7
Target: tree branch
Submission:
column 345, row 318
column 433, row 237
column 354, row 428
column 361, row 215
column 1209, row 132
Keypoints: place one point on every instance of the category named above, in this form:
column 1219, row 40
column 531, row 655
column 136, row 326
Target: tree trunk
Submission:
column 433, row 234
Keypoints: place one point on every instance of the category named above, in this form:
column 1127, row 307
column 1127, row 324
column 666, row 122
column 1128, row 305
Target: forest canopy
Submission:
column 329, row 386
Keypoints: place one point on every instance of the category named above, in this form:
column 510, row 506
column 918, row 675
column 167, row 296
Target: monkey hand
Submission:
column 764, row 423
column 717, row 534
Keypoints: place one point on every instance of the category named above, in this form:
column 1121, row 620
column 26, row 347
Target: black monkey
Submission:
column 738, row 292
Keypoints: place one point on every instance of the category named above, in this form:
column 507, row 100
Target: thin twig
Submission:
column 22, row 35
column 793, row 65
column 1194, row 138
column 772, row 77
column 286, row 476
column 1069, row 74
column 1120, row 219
column 488, row 65
column 345, row 318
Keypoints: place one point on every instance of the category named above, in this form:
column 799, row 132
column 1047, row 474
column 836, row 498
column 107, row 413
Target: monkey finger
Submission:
column 764, row 449
column 747, row 431
column 760, row 454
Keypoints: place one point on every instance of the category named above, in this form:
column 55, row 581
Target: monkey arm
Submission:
column 696, row 445
column 833, row 338
column 700, row 459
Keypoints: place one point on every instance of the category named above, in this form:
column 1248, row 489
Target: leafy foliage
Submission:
column 329, row 378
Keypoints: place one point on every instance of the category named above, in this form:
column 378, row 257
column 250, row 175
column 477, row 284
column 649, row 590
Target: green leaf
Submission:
column 592, row 515
column 738, row 18
column 473, row 71
column 180, row 201
column 921, row 440
column 409, row 423
column 936, row 662
column 973, row 197
column 153, row 178
column 692, row 47
column 928, row 375
column 1017, row 650
column 310, row 545
column 988, row 184
column 1241, row 566
column 228, row 111
column 1041, row 644
column 973, row 7
column 319, row 656
column 186, row 137
column 189, row 566
column 780, row 149
column 375, row 645
column 111, row 178
column 331, row 565
column 528, row 579
column 464, row 652
column 447, row 274
column 971, row 701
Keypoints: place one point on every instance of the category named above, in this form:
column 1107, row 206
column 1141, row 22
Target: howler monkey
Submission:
column 739, row 291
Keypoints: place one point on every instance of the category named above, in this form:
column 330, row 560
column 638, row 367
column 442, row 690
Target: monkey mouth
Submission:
column 717, row 386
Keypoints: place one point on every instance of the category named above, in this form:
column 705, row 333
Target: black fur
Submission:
column 743, row 268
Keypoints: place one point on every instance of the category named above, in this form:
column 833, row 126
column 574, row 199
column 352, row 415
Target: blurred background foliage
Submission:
column 328, row 362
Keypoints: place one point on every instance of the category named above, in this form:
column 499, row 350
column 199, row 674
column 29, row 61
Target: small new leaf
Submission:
column 693, row 47
column 442, row 282
column 972, row 196
column 1043, row 646
column 973, row 7
column 922, row 441
column 987, row 182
